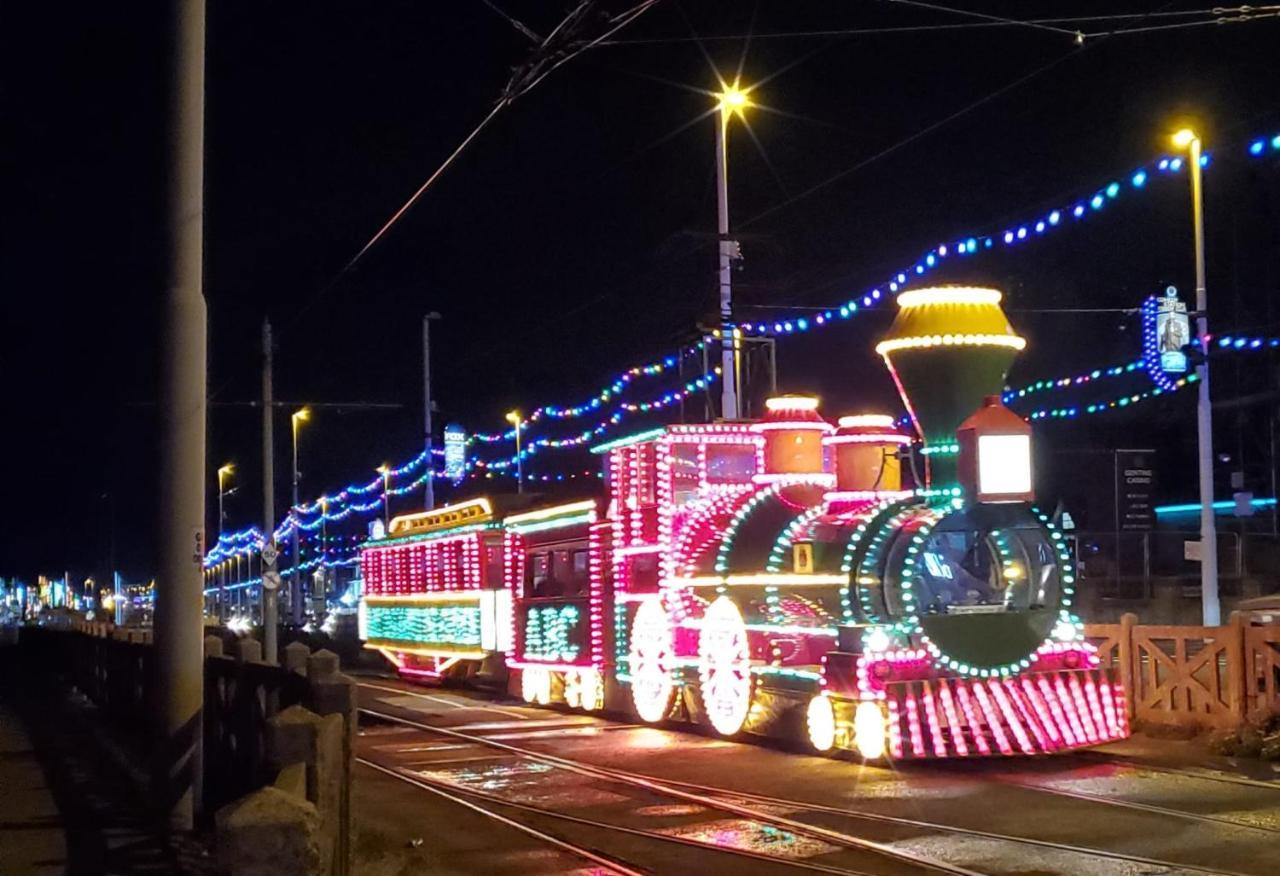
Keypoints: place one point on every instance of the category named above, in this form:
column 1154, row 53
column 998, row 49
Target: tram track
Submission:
column 458, row 794
column 1207, row 775
column 657, row 786
column 732, row 801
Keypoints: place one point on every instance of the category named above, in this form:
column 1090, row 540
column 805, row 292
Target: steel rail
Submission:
column 946, row 828
column 672, row 787
column 585, row 854
column 656, row 786
column 542, row 812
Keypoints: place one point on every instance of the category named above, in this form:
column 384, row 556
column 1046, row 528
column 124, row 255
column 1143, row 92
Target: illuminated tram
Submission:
column 780, row 576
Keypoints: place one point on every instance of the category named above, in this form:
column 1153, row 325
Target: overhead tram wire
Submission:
column 1252, row 11
column 552, row 53
column 997, row 19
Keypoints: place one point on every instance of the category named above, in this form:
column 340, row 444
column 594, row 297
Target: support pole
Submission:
column 270, row 596
column 429, row 490
column 1204, row 413
column 728, row 333
column 179, row 639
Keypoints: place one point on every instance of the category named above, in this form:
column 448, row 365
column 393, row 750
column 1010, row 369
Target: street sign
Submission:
column 197, row 552
column 269, row 554
column 1191, row 550
column 1244, row 504
column 1135, row 490
column 271, row 580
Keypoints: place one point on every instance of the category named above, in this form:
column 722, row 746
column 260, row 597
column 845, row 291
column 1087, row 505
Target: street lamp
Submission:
column 514, row 419
column 223, row 474
column 733, row 100
column 1188, row 139
column 385, row 471
column 295, row 589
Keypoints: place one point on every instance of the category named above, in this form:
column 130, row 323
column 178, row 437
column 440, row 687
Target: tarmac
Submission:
column 32, row 832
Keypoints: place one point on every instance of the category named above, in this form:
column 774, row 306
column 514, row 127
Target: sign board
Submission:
column 1173, row 332
column 269, row 554
column 1244, row 504
column 1135, row 489
column 197, row 546
column 455, row 452
column 271, row 580
column 1191, row 550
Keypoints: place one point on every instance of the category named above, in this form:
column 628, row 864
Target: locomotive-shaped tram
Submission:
column 776, row 577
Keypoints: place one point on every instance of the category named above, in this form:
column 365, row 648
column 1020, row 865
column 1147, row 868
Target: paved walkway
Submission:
column 32, row 838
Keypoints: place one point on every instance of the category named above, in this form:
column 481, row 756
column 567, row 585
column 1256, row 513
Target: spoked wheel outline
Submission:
column 650, row 658
column 584, row 689
column 724, row 666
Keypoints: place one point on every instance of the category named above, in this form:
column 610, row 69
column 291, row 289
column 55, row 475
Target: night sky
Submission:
column 574, row 238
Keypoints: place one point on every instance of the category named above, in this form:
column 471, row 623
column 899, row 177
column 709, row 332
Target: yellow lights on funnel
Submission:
column 949, row 295
column 873, row 421
column 1182, row 139
column 924, row 341
column 792, row 403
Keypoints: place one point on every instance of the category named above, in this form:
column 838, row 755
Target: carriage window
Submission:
column 581, row 572
column 493, row 570
column 730, row 463
column 684, row 472
column 538, row 574
column 643, row 576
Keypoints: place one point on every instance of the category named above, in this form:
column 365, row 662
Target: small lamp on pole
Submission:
column 514, row 419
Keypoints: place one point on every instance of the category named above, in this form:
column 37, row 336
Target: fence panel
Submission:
column 1188, row 675
column 1262, row 668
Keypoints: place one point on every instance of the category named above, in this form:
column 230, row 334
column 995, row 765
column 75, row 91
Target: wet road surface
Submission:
column 498, row 787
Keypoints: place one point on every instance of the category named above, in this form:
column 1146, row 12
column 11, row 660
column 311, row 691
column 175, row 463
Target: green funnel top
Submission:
column 948, row 348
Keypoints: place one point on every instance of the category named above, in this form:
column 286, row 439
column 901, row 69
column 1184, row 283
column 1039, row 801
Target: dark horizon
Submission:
column 572, row 241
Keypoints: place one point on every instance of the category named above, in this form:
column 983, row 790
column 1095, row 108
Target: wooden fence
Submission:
column 1192, row 676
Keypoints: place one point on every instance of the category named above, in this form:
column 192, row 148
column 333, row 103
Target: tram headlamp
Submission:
column 869, row 730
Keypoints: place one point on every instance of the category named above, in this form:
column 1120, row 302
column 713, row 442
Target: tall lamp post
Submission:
column 514, row 419
column 1188, row 139
column 224, row 474
column 732, row 100
column 295, row 583
column 385, row 471
column 429, row 490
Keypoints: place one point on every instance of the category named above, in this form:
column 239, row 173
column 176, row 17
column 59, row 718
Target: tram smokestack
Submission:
column 948, row 348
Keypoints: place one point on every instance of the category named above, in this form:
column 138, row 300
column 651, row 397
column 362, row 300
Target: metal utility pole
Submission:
column 728, row 333
column 179, row 600
column 1204, row 408
column 270, row 594
column 429, row 491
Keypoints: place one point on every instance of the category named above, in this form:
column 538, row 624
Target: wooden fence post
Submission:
column 1237, row 665
column 1128, row 670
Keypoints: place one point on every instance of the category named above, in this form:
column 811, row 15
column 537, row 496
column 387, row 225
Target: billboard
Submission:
column 1173, row 332
column 455, row 452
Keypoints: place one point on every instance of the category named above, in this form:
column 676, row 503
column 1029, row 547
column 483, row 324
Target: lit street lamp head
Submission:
column 513, row 417
column 302, row 415
column 1182, row 139
column 733, row 100
column 226, row 471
